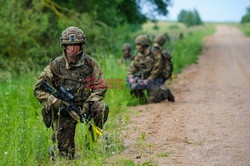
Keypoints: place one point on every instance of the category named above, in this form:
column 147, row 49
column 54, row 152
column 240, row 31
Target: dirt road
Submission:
column 209, row 124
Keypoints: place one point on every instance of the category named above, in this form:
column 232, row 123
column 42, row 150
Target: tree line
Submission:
column 189, row 18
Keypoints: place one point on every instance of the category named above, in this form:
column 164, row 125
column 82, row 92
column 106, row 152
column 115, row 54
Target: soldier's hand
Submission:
column 145, row 82
column 57, row 103
column 85, row 108
column 131, row 79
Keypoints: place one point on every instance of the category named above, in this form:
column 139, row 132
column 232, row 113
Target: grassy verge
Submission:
column 245, row 28
column 187, row 50
column 24, row 139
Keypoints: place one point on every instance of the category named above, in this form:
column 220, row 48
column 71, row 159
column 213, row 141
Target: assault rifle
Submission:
column 68, row 100
column 136, row 81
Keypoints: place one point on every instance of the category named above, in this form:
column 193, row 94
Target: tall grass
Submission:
column 245, row 28
column 187, row 50
column 24, row 138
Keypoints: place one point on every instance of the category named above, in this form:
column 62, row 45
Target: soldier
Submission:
column 166, row 36
column 126, row 49
column 167, row 65
column 147, row 67
column 71, row 70
column 181, row 36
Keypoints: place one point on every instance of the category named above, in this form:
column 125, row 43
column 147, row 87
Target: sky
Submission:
column 210, row 10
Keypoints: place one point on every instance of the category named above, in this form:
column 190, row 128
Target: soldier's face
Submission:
column 72, row 49
column 126, row 51
column 139, row 47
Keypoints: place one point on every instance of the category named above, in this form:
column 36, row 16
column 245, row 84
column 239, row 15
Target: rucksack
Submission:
column 167, row 64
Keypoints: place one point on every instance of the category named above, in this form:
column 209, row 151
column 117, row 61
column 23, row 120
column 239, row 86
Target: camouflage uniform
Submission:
column 72, row 76
column 127, row 53
column 166, row 69
column 149, row 65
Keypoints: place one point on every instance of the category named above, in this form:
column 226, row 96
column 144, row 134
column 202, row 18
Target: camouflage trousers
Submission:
column 154, row 95
column 64, row 128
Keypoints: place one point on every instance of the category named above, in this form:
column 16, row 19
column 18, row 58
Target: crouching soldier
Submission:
column 167, row 64
column 145, row 72
column 127, row 56
column 71, row 70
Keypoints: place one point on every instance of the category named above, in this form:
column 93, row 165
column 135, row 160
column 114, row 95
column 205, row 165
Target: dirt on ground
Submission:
column 209, row 124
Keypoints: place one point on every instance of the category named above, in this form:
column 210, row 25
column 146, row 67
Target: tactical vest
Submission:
column 73, row 78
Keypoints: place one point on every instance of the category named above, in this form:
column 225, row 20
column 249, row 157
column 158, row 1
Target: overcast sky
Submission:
column 211, row 10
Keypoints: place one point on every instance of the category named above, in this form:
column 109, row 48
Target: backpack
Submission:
column 167, row 64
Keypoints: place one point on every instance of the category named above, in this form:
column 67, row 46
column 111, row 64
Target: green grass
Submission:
column 164, row 154
column 163, row 27
column 187, row 50
column 24, row 138
column 245, row 28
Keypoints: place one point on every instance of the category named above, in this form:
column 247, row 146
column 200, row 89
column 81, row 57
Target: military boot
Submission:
column 170, row 96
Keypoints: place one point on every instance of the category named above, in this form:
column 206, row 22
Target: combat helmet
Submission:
column 72, row 35
column 160, row 39
column 142, row 40
column 126, row 46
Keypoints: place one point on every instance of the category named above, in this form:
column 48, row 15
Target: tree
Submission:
column 190, row 18
column 116, row 12
column 246, row 17
column 197, row 18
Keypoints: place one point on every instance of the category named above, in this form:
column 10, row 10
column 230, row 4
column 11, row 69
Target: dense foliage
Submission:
column 189, row 18
column 30, row 29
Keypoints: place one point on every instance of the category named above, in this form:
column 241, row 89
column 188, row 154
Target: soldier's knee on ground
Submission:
column 157, row 95
column 99, row 112
column 137, row 93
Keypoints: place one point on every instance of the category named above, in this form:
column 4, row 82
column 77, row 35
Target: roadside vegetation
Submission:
column 245, row 28
column 245, row 22
column 30, row 37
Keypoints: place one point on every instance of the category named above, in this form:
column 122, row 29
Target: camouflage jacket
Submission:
column 73, row 76
column 128, row 57
column 149, row 65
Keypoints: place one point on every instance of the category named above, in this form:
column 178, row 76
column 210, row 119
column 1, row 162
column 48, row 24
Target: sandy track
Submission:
column 209, row 124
